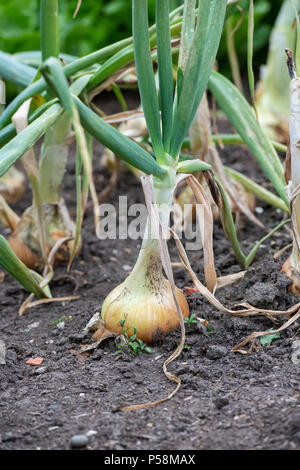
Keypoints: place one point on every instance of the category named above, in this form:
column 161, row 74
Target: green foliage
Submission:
column 265, row 12
column 59, row 320
column 20, row 20
column 101, row 22
column 191, row 319
column 268, row 339
column 29, row 279
column 19, row 23
column 132, row 342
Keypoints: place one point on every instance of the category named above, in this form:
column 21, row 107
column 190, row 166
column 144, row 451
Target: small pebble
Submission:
column 33, row 325
column 91, row 433
column 216, row 352
column 61, row 325
column 38, row 370
column 259, row 210
column 35, row 361
column 126, row 267
column 2, row 352
column 79, row 441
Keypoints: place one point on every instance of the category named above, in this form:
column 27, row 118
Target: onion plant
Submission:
column 12, row 184
column 148, row 299
column 44, row 116
column 47, row 220
column 146, row 296
column 272, row 93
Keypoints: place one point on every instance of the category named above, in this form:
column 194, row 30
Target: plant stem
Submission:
column 149, row 255
column 232, row 55
column 49, row 28
column 53, row 159
column 234, row 139
column 257, row 189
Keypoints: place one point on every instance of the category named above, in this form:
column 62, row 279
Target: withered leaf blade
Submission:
column 100, row 335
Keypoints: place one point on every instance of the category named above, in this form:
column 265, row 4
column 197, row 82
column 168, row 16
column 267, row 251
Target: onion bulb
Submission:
column 12, row 185
column 25, row 239
column 144, row 300
column 290, row 271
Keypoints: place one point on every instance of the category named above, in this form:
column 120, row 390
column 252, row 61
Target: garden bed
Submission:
column 227, row 400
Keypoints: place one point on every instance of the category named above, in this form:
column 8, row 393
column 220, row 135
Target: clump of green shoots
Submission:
column 46, row 222
column 152, row 301
column 131, row 341
column 43, row 118
column 191, row 319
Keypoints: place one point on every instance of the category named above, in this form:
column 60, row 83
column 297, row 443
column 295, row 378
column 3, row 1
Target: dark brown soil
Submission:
column 227, row 400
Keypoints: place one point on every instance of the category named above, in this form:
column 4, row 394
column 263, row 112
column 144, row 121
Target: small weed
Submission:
column 210, row 330
column 268, row 339
column 61, row 319
column 131, row 342
column 191, row 319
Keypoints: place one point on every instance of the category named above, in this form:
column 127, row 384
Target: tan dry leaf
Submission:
column 206, row 230
column 259, row 334
column 81, row 356
column 101, row 334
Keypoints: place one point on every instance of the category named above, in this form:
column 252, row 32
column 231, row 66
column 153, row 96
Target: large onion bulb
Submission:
column 145, row 300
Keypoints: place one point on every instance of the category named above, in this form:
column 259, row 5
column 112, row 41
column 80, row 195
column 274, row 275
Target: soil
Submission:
column 227, row 400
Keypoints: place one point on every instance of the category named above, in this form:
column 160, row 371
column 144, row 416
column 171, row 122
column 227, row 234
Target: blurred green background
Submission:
column 100, row 22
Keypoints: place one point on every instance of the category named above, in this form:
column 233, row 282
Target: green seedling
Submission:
column 268, row 339
column 61, row 319
column 191, row 319
column 132, row 342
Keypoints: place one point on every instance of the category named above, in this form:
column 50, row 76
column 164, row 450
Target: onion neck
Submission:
column 148, row 268
column 295, row 158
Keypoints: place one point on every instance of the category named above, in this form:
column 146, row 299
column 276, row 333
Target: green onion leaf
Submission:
column 125, row 148
column 165, row 72
column 145, row 74
column 29, row 279
column 268, row 339
column 243, row 119
column 211, row 14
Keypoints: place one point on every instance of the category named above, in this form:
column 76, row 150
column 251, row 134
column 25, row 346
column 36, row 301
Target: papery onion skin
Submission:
column 291, row 272
column 12, row 185
column 24, row 240
column 146, row 302
column 152, row 314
